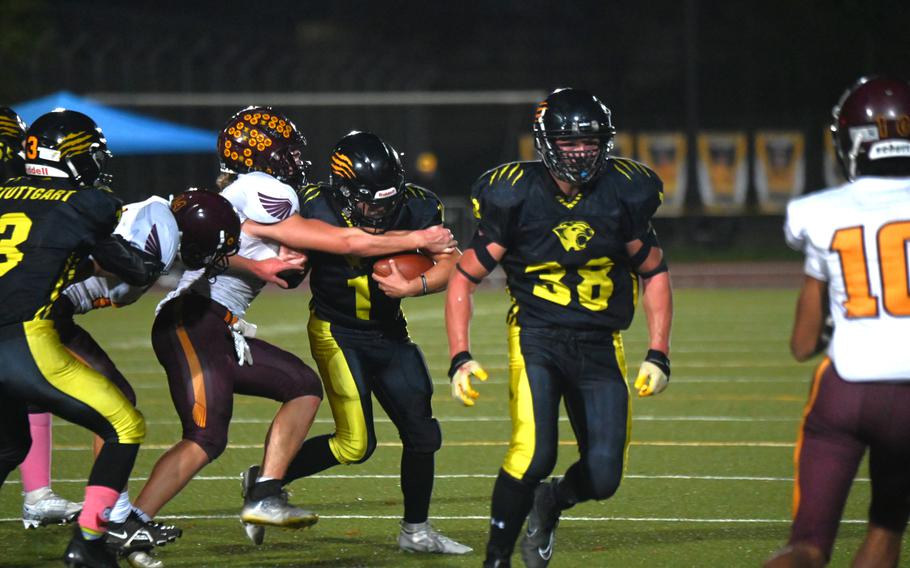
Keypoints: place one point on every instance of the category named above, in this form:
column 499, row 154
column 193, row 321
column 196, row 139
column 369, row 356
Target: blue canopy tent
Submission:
column 126, row 132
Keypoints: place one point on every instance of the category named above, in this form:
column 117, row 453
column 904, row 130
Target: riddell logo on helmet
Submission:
column 33, row 170
column 890, row 149
column 382, row 194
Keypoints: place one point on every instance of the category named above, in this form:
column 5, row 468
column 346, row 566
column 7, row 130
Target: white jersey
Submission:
column 148, row 225
column 264, row 199
column 855, row 238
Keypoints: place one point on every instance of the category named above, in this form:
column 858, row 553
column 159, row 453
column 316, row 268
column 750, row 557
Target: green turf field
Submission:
column 708, row 482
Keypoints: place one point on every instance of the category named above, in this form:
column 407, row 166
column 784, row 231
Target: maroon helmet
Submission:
column 209, row 229
column 261, row 139
column 872, row 123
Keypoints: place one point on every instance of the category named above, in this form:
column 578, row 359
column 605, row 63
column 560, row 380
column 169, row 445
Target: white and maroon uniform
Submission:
column 195, row 339
column 855, row 238
column 147, row 225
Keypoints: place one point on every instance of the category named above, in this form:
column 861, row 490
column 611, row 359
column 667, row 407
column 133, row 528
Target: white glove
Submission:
column 460, row 372
column 654, row 374
column 240, row 330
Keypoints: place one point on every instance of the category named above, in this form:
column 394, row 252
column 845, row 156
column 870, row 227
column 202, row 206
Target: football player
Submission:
column 51, row 220
column 12, row 139
column 209, row 351
column 358, row 333
column 573, row 234
column 855, row 240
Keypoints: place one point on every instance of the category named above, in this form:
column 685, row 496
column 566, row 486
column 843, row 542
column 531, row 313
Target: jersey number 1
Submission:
column 892, row 239
column 10, row 256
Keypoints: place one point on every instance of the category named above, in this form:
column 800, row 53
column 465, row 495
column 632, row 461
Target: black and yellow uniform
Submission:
column 47, row 227
column 359, row 339
column 573, row 289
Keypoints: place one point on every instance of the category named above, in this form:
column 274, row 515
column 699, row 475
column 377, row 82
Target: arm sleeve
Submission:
column 134, row 266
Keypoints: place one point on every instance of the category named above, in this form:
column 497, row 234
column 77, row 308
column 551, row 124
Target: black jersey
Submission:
column 566, row 262
column 47, row 226
column 344, row 293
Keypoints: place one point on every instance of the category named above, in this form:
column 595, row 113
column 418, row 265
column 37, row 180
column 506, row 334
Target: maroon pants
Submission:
column 843, row 419
column 193, row 343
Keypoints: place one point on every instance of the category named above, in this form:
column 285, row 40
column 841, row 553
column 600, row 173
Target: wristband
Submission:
column 660, row 359
column 457, row 361
column 423, row 282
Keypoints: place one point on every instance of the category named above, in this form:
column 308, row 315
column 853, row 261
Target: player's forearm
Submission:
column 438, row 276
column 359, row 243
column 459, row 309
column 657, row 299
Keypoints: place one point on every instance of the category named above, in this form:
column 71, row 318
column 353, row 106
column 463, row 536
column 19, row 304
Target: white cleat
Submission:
column 143, row 559
column 256, row 533
column 422, row 537
column 44, row 507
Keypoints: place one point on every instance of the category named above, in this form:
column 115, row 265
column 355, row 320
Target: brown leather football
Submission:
column 410, row 264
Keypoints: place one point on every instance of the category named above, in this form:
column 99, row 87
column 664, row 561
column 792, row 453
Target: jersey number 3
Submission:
column 892, row 255
column 10, row 256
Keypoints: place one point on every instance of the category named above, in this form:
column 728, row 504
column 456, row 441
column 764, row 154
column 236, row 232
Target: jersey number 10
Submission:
column 891, row 241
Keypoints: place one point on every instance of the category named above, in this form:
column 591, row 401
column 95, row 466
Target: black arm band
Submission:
column 479, row 246
column 470, row 277
column 642, row 255
column 662, row 267
column 660, row 359
column 457, row 361
column 133, row 265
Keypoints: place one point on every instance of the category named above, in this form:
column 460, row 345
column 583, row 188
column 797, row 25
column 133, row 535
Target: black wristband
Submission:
column 660, row 359
column 457, row 361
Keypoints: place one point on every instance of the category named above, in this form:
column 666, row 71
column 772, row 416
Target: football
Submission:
column 410, row 264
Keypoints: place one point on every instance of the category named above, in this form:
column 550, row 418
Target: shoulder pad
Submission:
column 99, row 206
column 152, row 228
column 425, row 206
column 503, row 186
column 262, row 198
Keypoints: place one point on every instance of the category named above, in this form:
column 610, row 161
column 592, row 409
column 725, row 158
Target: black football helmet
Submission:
column 67, row 143
column 871, row 127
column 209, row 230
column 261, row 139
column 12, row 138
column 573, row 114
column 367, row 180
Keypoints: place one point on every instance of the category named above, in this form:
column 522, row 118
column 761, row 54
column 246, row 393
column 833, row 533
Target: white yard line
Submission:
column 485, row 517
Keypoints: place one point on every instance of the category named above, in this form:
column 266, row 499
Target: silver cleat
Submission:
column 48, row 508
column 273, row 510
column 143, row 559
column 422, row 537
column 256, row 533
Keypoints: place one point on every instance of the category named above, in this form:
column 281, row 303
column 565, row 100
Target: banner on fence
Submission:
column 722, row 172
column 665, row 153
column 780, row 168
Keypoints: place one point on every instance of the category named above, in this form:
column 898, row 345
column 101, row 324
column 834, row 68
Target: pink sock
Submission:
column 36, row 469
column 96, row 512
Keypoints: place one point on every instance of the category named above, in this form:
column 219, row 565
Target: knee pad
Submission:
column 211, row 441
column 129, row 427
column 889, row 514
column 424, row 438
column 604, row 475
column 349, row 451
column 306, row 383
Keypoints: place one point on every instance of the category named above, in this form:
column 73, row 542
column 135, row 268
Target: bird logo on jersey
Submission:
column 276, row 207
column 574, row 235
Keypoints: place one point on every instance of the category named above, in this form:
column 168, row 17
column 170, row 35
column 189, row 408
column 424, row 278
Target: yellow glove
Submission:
column 460, row 372
column 654, row 374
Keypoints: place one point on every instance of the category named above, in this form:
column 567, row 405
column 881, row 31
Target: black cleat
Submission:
column 134, row 534
column 537, row 543
column 83, row 553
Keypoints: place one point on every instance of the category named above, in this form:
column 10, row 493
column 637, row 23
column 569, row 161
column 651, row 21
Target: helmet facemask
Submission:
column 288, row 165
column 87, row 169
column 574, row 165
column 369, row 210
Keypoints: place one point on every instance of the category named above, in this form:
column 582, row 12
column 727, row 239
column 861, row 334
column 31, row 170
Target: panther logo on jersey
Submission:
column 574, row 235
